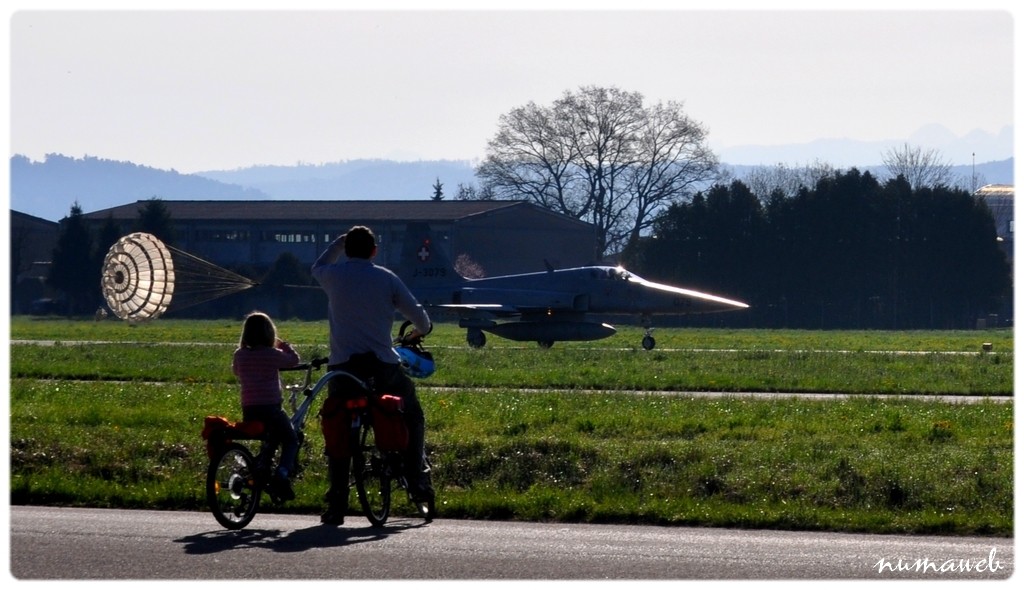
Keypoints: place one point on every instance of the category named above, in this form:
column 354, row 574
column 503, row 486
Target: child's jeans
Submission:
column 279, row 426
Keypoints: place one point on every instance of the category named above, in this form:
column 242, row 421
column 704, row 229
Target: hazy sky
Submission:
column 202, row 90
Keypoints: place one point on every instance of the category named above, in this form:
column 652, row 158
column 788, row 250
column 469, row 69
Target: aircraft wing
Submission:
column 479, row 309
column 492, row 310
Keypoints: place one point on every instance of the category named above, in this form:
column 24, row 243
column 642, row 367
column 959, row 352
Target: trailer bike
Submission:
column 242, row 456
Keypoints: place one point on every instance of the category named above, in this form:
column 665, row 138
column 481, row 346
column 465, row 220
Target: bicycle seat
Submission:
column 221, row 426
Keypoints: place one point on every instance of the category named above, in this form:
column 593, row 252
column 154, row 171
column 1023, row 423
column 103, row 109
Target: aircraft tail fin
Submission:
column 425, row 264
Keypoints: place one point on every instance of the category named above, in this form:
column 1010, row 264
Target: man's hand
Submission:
column 414, row 337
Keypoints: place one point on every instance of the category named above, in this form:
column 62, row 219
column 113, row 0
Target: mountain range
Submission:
column 845, row 153
column 49, row 188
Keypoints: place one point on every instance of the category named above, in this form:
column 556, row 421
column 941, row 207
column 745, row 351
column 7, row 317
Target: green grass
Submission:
column 861, row 465
column 686, row 360
column 447, row 335
column 512, row 434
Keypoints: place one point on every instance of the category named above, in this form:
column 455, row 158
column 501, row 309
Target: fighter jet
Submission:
column 545, row 307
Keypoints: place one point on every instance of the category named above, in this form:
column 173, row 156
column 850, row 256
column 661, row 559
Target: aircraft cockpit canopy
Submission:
column 615, row 273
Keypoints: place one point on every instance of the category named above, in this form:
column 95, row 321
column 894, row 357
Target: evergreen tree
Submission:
column 154, row 218
column 845, row 253
column 287, row 270
column 74, row 271
column 110, row 233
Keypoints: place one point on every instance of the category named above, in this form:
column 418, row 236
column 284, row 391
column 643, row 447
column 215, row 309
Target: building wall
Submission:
column 999, row 199
column 32, row 242
column 504, row 243
column 506, row 238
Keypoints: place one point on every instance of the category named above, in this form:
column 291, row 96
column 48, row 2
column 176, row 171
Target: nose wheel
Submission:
column 475, row 338
column 648, row 340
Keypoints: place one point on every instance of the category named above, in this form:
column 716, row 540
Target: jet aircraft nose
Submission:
column 689, row 297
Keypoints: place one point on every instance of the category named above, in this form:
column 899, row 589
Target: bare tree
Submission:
column 528, row 159
column 786, row 180
column 671, row 159
column 468, row 268
column 469, row 192
column 599, row 155
column 921, row 168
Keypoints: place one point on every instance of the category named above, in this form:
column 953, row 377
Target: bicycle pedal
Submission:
column 425, row 511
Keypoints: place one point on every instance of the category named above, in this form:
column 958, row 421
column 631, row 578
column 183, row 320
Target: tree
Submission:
column 468, row 268
column 74, row 271
column 438, row 193
column 110, row 233
column 155, row 218
column 599, row 155
column 848, row 252
column 715, row 242
column 785, row 181
column 470, row 192
column 922, row 168
column 287, row 270
column 950, row 267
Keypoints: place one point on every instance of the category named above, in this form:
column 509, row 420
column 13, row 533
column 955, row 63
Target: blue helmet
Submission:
column 416, row 362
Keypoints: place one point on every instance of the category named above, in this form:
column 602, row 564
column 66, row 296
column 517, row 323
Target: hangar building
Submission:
column 494, row 237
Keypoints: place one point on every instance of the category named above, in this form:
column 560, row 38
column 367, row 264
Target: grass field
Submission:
column 518, row 432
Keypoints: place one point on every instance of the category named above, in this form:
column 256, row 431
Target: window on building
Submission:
column 222, row 235
column 287, row 237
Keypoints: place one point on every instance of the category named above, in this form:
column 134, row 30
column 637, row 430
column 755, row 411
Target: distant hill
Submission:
column 48, row 189
column 356, row 179
column 849, row 153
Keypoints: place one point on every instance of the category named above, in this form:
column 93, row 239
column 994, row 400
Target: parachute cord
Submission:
column 199, row 281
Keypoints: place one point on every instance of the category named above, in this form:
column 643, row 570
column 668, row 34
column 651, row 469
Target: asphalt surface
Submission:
column 95, row 544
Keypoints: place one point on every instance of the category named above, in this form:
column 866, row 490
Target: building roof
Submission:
column 17, row 217
column 995, row 190
column 306, row 210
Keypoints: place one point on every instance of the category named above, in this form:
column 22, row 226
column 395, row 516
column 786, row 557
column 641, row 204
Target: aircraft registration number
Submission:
column 436, row 271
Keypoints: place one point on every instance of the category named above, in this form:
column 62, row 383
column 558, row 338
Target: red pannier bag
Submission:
column 389, row 429
column 336, row 425
column 218, row 430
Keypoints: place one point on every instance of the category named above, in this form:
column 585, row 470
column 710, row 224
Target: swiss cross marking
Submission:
column 423, row 254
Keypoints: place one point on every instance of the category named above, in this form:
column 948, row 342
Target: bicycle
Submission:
column 237, row 478
column 378, row 464
column 379, row 437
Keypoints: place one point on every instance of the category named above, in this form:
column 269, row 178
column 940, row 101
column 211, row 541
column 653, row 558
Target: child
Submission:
column 256, row 362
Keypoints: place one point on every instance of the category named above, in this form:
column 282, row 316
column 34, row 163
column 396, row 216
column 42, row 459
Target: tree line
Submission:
column 849, row 252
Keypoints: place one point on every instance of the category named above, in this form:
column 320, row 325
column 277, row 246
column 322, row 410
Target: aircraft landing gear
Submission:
column 648, row 341
column 546, row 343
column 475, row 338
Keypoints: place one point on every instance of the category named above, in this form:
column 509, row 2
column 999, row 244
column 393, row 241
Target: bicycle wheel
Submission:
column 373, row 479
column 232, row 488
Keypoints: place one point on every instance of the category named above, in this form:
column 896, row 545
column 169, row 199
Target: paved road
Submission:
column 71, row 543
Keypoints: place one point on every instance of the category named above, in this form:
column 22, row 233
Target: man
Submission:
column 362, row 300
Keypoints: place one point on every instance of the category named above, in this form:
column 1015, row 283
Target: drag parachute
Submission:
column 142, row 276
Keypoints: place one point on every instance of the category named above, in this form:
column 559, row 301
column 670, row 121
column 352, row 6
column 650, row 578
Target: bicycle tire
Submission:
column 232, row 489
column 373, row 479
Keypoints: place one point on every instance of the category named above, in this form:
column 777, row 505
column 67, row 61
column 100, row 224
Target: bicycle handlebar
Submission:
column 314, row 364
column 407, row 339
